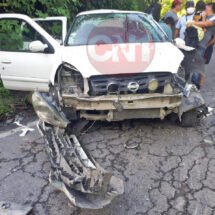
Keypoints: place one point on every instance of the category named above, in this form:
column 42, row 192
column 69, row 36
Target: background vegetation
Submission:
column 69, row 8
column 5, row 101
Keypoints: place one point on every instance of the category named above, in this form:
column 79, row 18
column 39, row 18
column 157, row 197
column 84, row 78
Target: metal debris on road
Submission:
column 9, row 208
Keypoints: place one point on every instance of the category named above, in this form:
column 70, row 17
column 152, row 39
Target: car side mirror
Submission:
column 37, row 46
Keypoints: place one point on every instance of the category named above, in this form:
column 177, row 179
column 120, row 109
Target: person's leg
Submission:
column 208, row 54
column 201, row 51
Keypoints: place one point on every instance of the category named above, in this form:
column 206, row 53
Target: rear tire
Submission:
column 190, row 119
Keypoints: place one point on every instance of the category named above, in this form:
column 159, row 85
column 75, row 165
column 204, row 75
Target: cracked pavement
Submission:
column 171, row 173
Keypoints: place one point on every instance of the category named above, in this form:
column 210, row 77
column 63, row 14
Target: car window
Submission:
column 162, row 35
column 141, row 30
column 16, row 35
column 53, row 27
column 113, row 29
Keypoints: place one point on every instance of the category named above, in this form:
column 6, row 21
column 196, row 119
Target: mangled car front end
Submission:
column 74, row 172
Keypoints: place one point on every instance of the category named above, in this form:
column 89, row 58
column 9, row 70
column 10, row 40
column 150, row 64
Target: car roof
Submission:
column 106, row 11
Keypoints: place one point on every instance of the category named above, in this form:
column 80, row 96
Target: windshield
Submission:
column 97, row 29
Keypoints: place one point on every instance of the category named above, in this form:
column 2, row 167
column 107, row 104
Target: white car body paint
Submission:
column 33, row 71
column 166, row 59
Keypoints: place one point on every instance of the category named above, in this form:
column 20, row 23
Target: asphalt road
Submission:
column 171, row 173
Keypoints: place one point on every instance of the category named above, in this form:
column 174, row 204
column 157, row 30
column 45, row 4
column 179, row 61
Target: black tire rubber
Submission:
column 190, row 119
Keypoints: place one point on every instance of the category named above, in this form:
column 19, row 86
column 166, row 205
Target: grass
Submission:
column 6, row 101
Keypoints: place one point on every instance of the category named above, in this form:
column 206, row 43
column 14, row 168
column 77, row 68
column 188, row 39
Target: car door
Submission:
column 55, row 26
column 22, row 67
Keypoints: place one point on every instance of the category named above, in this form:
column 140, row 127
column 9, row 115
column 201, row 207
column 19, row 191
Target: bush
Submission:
column 5, row 101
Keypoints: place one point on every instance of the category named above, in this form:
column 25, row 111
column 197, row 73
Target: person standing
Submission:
column 208, row 24
column 200, row 7
column 182, row 22
column 173, row 13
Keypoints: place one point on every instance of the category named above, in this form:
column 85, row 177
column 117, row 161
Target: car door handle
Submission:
column 6, row 62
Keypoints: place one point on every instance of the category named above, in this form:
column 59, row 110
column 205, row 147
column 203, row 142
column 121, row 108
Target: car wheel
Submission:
column 190, row 119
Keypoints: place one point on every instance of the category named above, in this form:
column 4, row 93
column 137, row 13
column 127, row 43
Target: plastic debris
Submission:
column 25, row 129
column 210, row 111
column 210, row 142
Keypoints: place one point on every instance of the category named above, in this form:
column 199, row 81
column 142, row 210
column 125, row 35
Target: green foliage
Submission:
column 42, row 8
column 166, row 6
column 141, row 5
column 69, row 8
column 5, row 101
column 10, row 35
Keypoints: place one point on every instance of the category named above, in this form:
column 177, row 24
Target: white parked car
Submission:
column 27, row 69
column 113, row 65
column 100, row 46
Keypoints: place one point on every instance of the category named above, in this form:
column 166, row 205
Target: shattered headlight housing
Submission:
column 71, row 80
column 183, row 86
column 47, row 112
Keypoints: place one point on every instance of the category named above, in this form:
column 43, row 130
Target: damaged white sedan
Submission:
column 114, row 65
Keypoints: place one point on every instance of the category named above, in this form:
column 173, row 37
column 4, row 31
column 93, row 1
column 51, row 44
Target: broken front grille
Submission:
column 100, row 85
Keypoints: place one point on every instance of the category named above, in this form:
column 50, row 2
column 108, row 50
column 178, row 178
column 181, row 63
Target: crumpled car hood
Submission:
column 165, row 58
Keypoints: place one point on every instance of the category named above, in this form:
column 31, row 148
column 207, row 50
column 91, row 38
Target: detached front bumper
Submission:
column 82, row 179
column 79, row 176
column 115, row 108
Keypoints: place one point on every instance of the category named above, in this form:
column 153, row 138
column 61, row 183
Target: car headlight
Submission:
column 153, row 85
column 71, row 80
column 47, row 112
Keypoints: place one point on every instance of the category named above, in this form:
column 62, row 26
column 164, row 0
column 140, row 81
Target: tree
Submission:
column 42, row 8
column 69, row 8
